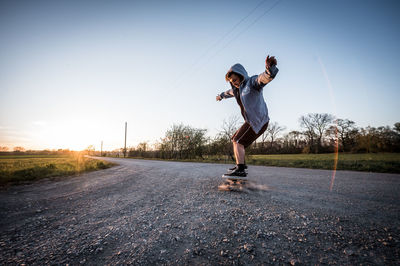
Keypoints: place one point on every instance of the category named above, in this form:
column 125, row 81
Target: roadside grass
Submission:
column 369, row 162
column 15, row 169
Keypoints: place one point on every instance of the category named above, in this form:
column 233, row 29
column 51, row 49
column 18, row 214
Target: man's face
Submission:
column 235, row 80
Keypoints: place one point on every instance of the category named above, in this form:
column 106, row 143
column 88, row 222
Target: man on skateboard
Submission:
column 248, row 92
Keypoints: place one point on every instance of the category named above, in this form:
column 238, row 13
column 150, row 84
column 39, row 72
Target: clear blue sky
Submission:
column 72, row 72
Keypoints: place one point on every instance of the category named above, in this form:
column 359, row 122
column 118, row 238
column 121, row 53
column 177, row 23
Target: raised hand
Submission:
column 270, row 61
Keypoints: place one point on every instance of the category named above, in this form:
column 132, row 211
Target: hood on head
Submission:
column 239, row 69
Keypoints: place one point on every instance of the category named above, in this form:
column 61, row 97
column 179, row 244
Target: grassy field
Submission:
column 21, row 168
column 371, row 162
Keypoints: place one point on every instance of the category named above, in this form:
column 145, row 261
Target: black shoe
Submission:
column 237, row 172
column 235, row 167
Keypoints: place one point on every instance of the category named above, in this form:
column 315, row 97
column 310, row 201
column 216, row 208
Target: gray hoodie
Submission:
column 250, row 95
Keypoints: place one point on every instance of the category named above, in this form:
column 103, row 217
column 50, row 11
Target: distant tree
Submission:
column 294, row 138
column 397, row 127
column 19, row 149
column 386, row 138
column 229, row 126
column 221, row 145
column 396, row 130
column 141, row 150
column 319, row 134
column 315, row 126
column 142, row 147
column 309, row 130
column 372, row 139
column 183, row 142
column 321, row 123
column 264, row 138
column 272, row 132
column 90, row 149
column 4, row 148
column 115, row 152
column 345, row 131
column 222, row 141
column 131, row 152
column 363, row 140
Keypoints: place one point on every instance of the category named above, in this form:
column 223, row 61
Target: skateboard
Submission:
column 232, row 183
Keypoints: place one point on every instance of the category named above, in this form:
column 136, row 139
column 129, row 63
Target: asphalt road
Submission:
column 155, row 212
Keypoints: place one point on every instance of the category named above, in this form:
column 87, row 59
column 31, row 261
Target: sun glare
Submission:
column 65, row 136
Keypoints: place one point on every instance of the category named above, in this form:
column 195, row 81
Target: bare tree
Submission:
column 315, row 126
column 295, row 137
column 273, row 130
column 309, row 130
column 264, row 138
column 321, row 122
column 229, row 126
column 346, row 132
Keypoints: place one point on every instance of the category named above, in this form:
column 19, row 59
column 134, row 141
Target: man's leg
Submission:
column 242, row 139
column 239, row 152
column 239, row 170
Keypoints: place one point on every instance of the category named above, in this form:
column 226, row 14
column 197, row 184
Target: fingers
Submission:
column 273, row 60
column 270, row 61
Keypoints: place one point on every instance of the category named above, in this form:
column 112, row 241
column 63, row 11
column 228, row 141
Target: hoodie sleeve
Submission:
column 264, row 78
column 227, row 94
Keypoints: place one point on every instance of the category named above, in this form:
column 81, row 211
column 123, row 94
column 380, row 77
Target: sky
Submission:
column 73, row 72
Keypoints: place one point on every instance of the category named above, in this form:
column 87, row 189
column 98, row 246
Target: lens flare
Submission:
column 336, row 154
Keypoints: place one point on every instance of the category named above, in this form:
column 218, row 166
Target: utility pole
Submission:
column 101, row 152
column 125, row 139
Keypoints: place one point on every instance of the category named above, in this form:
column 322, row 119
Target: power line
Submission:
column 208, row 50
column 230, row 31
column 190, row 69
column 245, row 29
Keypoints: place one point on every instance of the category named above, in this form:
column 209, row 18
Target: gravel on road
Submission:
column 157, row 212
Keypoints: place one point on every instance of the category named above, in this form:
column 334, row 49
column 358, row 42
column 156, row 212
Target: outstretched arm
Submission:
column 270, row 72
column 225, row 95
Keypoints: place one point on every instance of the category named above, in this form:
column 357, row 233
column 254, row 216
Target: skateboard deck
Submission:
column 241, row 184
column 232, row 183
